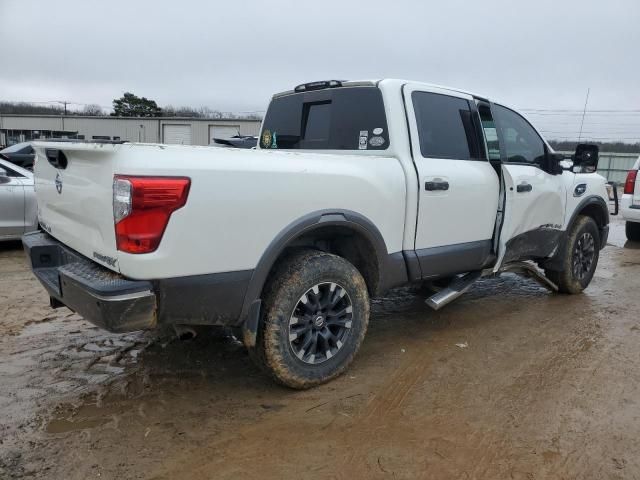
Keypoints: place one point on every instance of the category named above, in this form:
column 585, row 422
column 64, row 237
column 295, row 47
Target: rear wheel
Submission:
column 633, row 231
column 316, row 312
column 582, row 250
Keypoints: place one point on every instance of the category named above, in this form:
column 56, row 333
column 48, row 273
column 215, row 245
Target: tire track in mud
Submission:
column 348, row 430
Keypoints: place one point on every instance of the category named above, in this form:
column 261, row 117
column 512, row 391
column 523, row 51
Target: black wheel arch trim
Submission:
column 590, row 200
column 392, row 269
column 555, row 262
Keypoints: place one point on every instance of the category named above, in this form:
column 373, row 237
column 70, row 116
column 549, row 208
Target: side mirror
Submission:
column 586, row 158
column 4, row 177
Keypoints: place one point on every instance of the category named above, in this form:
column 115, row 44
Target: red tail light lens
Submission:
column 630, row 184
column 142, row 207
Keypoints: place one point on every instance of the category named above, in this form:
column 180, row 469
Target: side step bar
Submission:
column 461, row 284
column 456, row 288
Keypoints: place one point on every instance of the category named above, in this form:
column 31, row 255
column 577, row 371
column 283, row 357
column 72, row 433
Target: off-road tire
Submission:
column 633, row 231
column 292, row 279
column 567, row 280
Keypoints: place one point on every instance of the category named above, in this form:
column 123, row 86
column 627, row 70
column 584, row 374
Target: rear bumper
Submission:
column 101, row 296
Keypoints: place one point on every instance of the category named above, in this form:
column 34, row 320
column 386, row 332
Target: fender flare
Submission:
column 590, row 200
column 556, row 261
column 250, row 313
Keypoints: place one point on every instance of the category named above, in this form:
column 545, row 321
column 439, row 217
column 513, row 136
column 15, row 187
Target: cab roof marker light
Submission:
column 307, row 87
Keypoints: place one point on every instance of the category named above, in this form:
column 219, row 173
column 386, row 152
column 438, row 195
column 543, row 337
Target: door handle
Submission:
column 435, row 186
column 524, row 187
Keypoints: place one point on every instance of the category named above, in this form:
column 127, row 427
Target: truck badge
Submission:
column 59, row 183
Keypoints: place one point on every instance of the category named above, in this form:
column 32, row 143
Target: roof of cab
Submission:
column 391, row 82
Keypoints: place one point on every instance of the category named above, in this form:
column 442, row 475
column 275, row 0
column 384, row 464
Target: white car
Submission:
column 630, row 203
column 18, row 212
column 354, row 188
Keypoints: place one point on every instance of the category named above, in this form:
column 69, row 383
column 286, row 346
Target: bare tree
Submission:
column 92, row 110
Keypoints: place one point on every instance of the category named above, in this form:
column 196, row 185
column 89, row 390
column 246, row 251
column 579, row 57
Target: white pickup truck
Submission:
column 354, row 188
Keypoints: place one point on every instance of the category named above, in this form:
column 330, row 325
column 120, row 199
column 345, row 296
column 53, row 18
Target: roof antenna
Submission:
column 584, row 111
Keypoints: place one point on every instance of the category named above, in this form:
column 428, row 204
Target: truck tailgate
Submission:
column 75, row 197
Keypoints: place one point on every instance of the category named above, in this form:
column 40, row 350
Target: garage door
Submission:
column 222, row 131
column 177, row 134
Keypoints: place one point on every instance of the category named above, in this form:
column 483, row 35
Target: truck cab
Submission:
column 483, row 186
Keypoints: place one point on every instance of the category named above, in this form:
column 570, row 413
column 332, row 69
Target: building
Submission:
column 177, row 130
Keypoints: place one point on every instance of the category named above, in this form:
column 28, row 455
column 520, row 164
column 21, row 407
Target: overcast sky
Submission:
column 232, row 55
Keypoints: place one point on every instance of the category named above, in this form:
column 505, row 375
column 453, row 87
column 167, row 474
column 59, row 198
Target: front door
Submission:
column 458, row 187
column 535, row 200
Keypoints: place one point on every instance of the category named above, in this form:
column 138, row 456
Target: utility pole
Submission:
column 63, row 102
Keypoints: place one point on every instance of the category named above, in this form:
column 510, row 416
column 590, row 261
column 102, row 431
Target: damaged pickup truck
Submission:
column 355, row 187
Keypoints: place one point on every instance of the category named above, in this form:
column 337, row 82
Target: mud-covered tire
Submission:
column 295, row 277
column 577, row 270
column 633, row 231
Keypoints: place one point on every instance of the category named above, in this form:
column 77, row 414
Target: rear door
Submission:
column 459, row 188
column 176, row 134
column 535, row 200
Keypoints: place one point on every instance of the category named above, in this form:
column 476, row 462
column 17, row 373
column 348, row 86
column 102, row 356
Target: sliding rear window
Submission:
column 346, row 118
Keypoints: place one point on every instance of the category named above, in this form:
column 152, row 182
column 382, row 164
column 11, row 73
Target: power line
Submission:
column 569, row 110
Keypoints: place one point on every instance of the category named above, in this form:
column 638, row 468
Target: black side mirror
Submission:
column 586, row 157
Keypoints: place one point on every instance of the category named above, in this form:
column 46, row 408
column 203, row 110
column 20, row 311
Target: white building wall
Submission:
column 147, row 130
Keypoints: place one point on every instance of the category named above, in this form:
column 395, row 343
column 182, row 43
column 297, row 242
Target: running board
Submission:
column 461, row 284
column 456, row 288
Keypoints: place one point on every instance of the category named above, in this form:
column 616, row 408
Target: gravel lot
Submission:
column 508, row 382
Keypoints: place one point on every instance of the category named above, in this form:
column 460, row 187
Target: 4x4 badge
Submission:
column 58, row 183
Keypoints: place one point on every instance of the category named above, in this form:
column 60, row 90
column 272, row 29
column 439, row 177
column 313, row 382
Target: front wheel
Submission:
column 633, row 231
column 582, row 250
column 316, row 312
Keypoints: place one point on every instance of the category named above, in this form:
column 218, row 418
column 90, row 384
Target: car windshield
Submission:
column 15, row 148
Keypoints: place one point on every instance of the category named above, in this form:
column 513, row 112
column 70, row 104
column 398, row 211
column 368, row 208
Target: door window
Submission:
column 522, row 144
column 445, row 126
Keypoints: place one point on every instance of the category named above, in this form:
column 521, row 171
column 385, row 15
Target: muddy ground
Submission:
column 508, row 382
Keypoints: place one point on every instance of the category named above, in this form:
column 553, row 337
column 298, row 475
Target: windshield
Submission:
column 345, row 118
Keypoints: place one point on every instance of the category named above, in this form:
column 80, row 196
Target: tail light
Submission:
column 142, row 207
column 630, row 184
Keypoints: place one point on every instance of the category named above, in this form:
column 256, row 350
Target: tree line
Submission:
column 613, row 147
column 129, row 105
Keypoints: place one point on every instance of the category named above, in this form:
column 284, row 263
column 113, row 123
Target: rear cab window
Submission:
column 342, row 118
